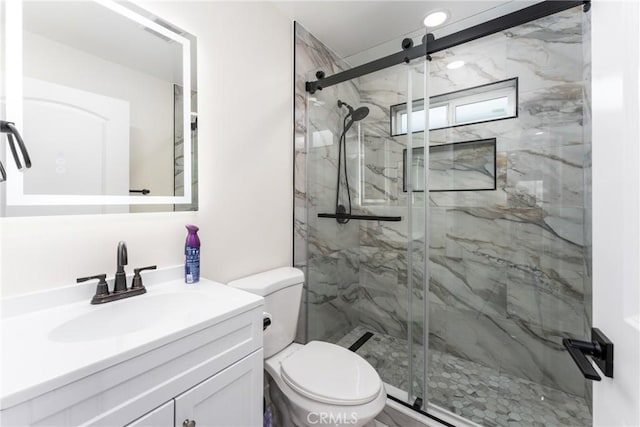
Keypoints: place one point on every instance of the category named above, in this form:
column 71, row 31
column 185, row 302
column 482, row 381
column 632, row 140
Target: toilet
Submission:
column 322, row 383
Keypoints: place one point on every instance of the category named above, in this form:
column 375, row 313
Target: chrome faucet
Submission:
column 121, row 277
column 120, row 290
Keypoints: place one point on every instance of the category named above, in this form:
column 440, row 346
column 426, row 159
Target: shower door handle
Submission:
column 600, row 348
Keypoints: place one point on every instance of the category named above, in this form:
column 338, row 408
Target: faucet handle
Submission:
column 101, row 291
column 137, row 279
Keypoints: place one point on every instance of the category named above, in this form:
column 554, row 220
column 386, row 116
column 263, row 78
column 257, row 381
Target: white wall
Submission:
column 616, row 205
column 245, row 132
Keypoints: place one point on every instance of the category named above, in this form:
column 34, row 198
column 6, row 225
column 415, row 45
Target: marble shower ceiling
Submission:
column 351, row 27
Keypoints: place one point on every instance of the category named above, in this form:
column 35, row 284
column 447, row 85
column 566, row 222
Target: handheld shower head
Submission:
column 359, row 113
column 352, row 117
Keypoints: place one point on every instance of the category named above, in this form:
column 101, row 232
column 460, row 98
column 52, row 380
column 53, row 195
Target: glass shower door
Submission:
column 365, row 274
column 415, row 176
column 509, row 217
column 467, row 314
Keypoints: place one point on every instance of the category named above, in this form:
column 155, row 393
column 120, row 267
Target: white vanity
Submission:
column 179, row 355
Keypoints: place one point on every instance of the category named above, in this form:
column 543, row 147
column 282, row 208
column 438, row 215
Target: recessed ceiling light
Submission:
column 455, row 64
column 433, row 19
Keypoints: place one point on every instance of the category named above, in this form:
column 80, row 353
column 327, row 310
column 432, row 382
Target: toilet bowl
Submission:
column 326, row 384
column 321, row 383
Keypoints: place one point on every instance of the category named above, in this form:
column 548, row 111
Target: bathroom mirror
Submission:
column 104, row 94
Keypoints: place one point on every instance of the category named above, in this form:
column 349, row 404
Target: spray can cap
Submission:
column 192, row 237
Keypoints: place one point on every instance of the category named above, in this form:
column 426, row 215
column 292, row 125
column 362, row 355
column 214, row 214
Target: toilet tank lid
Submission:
column 269, row 281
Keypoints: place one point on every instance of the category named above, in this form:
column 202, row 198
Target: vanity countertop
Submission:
column 52, row 338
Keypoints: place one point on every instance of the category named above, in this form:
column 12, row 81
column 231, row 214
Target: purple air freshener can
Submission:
column 192, row 256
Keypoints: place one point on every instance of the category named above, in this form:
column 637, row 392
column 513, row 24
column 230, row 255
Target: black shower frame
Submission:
column 430, row 45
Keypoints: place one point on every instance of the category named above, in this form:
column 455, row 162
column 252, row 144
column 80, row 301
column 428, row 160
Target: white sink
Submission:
column 56, row 337
column 128, row 316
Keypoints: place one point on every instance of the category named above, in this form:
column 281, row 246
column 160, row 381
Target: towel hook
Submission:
column 12, row 132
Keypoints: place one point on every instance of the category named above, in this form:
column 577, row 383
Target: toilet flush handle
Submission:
column 266, row 320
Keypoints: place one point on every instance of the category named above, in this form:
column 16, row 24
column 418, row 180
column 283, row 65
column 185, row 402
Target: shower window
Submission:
column 481, row 111
column 493, row 101
column 438, row 117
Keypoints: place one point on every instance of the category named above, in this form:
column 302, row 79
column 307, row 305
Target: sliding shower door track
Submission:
column 430, row 45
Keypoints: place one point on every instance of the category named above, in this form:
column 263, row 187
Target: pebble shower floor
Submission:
column 476, row 392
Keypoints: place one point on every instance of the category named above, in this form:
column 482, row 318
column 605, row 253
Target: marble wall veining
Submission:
column 352, row 278
column 326, row 251
column 508, row 268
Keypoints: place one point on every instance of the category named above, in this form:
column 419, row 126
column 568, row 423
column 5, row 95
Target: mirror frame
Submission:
column 14, row 186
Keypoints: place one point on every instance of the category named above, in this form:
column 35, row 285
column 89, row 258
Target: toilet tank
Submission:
column 282, row 292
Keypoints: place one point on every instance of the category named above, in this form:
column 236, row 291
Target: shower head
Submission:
column 357, row 114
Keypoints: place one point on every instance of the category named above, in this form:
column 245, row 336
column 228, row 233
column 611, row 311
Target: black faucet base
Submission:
column 114, row 296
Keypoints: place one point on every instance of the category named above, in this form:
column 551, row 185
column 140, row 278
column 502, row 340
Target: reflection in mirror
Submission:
column 179, row 150
column 101, row 111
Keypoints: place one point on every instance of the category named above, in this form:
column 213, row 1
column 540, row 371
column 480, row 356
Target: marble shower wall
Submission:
column 351, row 278
column 509, row 270
column 328, row 253
column 344, row 264
column 389, row 301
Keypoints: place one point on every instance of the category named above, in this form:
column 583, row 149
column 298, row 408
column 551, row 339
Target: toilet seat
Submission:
column 331, row 374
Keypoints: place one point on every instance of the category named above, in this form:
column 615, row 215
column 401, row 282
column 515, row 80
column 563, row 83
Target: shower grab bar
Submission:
column 360, row 217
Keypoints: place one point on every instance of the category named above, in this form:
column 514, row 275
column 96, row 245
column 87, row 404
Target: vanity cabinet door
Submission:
column 232, row 397
column 159, row 417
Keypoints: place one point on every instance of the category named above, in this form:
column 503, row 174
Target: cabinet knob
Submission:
column 188, row 423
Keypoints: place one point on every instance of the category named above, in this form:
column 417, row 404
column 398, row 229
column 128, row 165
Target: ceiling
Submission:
column 351, row 27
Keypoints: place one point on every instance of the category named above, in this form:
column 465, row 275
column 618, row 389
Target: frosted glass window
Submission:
column 477, row 104
column 482, row 110
column 437, row 119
